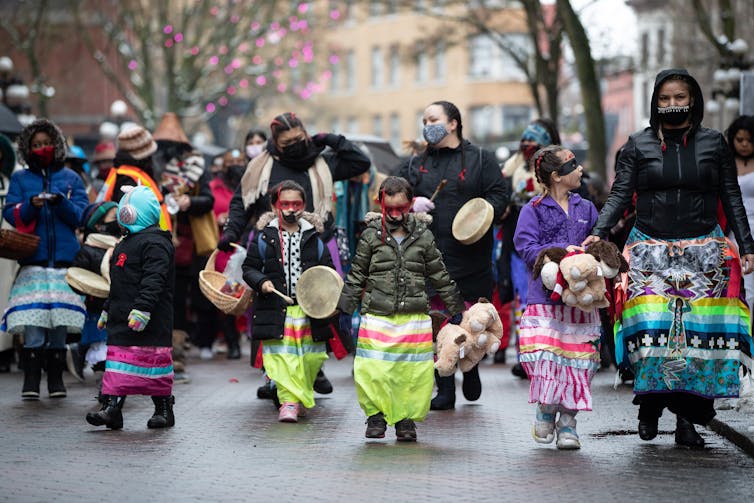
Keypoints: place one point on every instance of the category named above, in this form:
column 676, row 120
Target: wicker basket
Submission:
column 16, row 245
column 210, row 283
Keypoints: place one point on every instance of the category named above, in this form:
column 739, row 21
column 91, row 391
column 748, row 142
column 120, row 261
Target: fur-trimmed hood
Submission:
column 45, row 126
column 422, row 217
column 314, row 220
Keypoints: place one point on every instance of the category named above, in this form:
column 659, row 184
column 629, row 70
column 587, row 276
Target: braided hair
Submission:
column 544, row 163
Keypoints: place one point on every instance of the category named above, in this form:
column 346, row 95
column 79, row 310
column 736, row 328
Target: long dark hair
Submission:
column 551, row 129
column 453, row 114
column 745, row 122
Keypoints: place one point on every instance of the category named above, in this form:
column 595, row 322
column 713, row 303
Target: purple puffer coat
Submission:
column 544, row 225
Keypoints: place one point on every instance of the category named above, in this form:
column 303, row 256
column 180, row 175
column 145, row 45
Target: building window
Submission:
column 335, row 77
column 353, row 125
column 420, row 124
column 515, row 119
column 377, row 67
column 482, row 120
column 392, row 7
column 395, row 131
column 438, row 5
column 440, row 68
column 644, row 49
column 351, row 70
column 422, row 64
column 394, row 66
column 660, row 47
column 488, row 60
column 377, row 126
column 348, row 10
column 375, row 8
column 335, row 125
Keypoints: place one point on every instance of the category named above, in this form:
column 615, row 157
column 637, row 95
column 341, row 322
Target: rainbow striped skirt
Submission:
column 394, row 366
column 138, row 370
column 685, row 323
column 293, row 361
column 560, row 351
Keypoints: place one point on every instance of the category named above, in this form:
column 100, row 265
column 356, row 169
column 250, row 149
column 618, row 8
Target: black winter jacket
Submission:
column 471, row 172
column 675, row 198
column 142, row 276
column 268, row 321
column 345, row 160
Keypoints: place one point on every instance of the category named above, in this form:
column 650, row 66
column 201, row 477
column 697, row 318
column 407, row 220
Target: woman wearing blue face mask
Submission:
column 470, row 172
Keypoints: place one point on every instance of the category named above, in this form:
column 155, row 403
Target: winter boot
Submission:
column 55, row 366
column 472, row 386
column 376, row 426
column 685, row 433
column 110, row 414
column 163, row 412
column 32, row 362
column 322, row 384
column 446, row 393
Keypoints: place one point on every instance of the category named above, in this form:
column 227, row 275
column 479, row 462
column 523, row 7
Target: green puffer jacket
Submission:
column 394, row 277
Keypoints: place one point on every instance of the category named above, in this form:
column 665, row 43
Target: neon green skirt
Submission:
column 293, row 361
column 394, row 366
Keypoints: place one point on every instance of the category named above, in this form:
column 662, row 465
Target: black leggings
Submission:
column 695, row 408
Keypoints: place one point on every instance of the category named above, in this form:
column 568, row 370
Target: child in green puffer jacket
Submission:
column 395, row 256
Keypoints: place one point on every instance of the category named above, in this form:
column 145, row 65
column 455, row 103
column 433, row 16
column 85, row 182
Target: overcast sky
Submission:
column 611, row 25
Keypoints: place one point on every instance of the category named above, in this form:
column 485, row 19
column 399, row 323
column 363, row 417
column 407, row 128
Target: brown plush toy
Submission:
column 479, row 333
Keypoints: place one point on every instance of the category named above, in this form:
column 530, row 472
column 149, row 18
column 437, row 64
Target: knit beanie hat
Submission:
column 136, row 142
column 138, row 209
column 536, row 133
column 95, row 212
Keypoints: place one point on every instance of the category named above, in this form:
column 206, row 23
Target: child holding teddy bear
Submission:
column 393, row 368
column 559, row 343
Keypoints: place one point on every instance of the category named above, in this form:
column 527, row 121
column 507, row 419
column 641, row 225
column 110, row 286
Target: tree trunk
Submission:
column 590, row 87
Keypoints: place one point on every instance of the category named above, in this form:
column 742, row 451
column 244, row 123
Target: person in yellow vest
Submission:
column 133, row 166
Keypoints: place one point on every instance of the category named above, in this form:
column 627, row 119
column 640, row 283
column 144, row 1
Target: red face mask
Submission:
column 43, row 156
column 529, row 150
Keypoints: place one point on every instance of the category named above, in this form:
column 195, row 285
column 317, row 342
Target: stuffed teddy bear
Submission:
column 479, row 333
column 579, row 278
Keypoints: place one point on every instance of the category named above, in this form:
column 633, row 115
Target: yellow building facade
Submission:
column 388, row 64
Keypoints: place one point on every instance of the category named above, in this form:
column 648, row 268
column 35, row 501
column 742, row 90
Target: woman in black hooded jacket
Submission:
column 684, row 323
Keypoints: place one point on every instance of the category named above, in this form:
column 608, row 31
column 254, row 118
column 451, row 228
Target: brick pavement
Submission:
column 227, row 446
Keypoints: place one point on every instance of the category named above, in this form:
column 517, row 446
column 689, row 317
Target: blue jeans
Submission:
column 35, row 337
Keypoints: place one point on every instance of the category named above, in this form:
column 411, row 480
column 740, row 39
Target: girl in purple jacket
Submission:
column 559, row 344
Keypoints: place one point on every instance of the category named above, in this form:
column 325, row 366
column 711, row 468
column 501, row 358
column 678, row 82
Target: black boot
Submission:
column 648, row 428
column 163, row 412
column 446, row 393
column 518, row 371
column 472, row 386
column 32, row 362
column 110, row 414
column 55, row 366
column 376, row 426
column 322, row 384
column 685, row 433
column 405, row 430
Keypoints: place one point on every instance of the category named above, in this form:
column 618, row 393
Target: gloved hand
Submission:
column 456, row 319
column 102, row 321
column 224, row 243
column 423, row 205
column 137, row 320
column 326, row 139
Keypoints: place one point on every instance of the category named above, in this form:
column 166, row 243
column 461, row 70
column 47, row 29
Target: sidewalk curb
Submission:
column 741, row 440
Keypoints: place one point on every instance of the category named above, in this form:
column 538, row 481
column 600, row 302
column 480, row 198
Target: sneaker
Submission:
column 181, row 378
column 322, row 384
column 376, row 426
column 288, row 413
column 568, row 439
column 205, row 353
column 405, row 430
column 543, row 430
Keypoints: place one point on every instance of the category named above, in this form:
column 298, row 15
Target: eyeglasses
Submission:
column 290, row 205
column 395, row 211
column 567, row 167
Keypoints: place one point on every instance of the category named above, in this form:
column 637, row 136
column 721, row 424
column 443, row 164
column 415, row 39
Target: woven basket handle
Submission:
column 213, row 257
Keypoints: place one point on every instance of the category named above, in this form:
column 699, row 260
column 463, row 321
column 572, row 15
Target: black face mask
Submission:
column 393, row 223
column 291, row 217
column 235, row 173
column 296, row 150
column 674, row 116
column 113, row 228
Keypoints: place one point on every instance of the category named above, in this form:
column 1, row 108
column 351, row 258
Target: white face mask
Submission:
column 254, row 150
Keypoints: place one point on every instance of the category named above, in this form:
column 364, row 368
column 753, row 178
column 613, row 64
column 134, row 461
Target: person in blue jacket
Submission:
column 46, row 199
